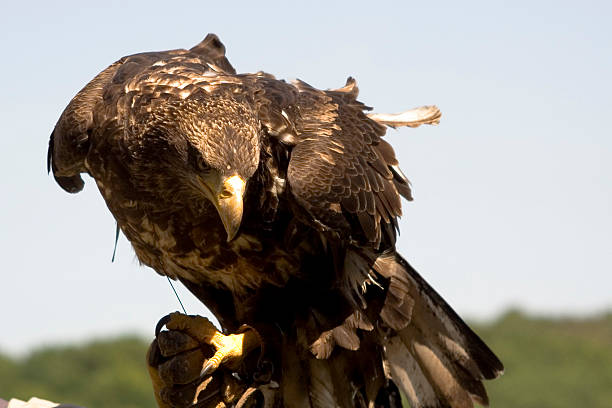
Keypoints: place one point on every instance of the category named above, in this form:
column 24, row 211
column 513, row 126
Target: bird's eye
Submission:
column 202, row 166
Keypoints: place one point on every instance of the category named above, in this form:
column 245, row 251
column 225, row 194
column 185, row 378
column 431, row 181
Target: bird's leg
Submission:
column 230, row 350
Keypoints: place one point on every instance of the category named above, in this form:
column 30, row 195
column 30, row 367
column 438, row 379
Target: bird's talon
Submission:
column 207, row 369
column 161, row 323
column 229, row 349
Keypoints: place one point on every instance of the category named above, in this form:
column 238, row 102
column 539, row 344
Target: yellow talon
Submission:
column 230, row 349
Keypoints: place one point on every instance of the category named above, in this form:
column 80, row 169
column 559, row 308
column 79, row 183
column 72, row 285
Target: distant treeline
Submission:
column 552, row 363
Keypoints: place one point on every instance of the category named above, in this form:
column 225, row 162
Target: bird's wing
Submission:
column 341, row 171
column 346, row 177
column 124, row 95
column 69, row 141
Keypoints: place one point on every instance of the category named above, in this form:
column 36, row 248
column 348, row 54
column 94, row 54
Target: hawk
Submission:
column 276, row 204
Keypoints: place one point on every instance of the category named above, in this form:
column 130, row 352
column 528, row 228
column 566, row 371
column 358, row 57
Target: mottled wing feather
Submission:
column 340, row 170
column 122, row 97
column 212, row 48
column 69, row 142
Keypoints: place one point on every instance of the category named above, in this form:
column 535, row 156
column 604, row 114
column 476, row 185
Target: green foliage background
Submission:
column 101, row 374
column 553, row 363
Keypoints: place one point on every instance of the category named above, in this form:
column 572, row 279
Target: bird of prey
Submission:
column 276, row 204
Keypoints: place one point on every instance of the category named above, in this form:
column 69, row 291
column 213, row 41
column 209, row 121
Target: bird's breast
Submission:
column 201, row 254
column 191, row 243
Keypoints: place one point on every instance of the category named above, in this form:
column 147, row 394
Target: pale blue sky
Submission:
column 513, row 191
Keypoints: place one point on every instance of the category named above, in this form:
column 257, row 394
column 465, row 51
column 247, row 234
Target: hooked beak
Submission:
column 227, row 198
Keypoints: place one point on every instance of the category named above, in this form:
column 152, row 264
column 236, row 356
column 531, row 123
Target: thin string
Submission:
column 176, row 294
column 116, row 239
column 169, row 281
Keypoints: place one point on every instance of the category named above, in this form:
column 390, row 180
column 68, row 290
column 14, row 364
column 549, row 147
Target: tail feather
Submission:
column 294, row 376
column 348, row 377
column 321, row 387
column 406, row 337
column 440, row 372
column 434, row 357
column 452, row 333
column 406, row 371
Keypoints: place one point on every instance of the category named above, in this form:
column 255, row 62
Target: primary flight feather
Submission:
column 276, row 204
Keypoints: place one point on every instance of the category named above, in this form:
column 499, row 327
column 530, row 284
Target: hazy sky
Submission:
column 513, row 190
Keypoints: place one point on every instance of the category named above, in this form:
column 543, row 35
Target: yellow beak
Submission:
column 228, row 201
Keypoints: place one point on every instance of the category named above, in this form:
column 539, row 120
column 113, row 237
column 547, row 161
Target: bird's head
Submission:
column 222, row 153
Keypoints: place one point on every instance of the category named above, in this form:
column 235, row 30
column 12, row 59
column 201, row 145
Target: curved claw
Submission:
column 208, row 368
column 229, row 349
column 162, row 322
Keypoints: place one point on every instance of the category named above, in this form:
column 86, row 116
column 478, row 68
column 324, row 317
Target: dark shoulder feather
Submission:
column 337, row 171
column 131, row 83
column 211, row 47
column 69, row 141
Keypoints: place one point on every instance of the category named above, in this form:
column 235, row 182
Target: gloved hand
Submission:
column 175, row 362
